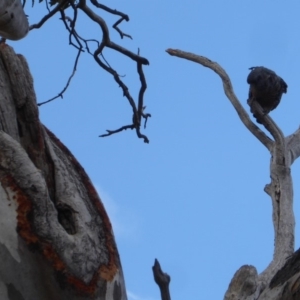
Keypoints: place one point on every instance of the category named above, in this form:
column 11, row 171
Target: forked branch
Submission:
column 280, row 189
column 82, row 44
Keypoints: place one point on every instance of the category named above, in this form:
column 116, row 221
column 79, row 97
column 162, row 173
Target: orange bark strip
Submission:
column 24, row 227
column 107, row 272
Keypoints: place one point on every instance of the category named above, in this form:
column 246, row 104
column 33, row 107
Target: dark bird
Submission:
column 266, row 88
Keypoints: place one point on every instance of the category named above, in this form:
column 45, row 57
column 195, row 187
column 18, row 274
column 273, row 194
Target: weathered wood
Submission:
column 162, row 280
column 285, row 285
column 243, row 284
column 56, row 238
column 13, row 21
column 246, row 284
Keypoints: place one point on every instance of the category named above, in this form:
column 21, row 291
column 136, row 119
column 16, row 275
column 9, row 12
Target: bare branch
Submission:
column 80, row 43
column 72, row 33
column 293, row 145
column 47, row 17
column 122, row 34
column 162, row 280
column 114, row 12
column 111, row 11
column 137, row 113
column 280, row 189
column 228, row 89
column 110, row 132
column 60, row 95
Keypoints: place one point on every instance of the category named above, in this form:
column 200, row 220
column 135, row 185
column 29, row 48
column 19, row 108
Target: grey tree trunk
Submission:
column 13, row 21
column 56, row 240
column 281, row 279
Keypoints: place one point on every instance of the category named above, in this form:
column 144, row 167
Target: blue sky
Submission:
column 193, row 197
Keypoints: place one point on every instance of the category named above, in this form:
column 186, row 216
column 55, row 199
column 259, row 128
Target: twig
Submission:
column 143, row 88
column 114, row 12
column 110, row 132
column 111, row 11
column 60, row 95
column 122, row 34
column 79, row 43
column 47, row 17
column 106, row 42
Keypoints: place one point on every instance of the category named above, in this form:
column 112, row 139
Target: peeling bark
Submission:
column 56, row 240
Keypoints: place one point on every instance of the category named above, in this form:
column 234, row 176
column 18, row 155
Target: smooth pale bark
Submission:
column 56, row 240
column 13, row 21
column 246, row 283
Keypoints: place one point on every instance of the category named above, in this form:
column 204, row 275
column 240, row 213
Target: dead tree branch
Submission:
column 228, row 89
column 81, row 43
column 162, row 280
column 114, row 12
column 47, row 17
column 280, row 189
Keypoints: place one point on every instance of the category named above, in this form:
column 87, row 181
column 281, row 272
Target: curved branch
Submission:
column 47, row 17
column 61, row 93
column 280, row 189
column 228, row 89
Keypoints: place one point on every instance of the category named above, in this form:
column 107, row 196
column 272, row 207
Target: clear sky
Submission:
column 193, row 197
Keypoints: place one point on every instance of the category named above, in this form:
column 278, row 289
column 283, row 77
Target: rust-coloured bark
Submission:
column 56, row 238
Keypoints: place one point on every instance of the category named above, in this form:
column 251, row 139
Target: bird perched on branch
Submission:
column 266, row 88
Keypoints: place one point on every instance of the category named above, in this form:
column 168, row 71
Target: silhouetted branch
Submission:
column 162, row 280
column 143, row 88
column 122, row 34
column 80, row 43
column 60, row 95
column 228, row 89
column 114, row 12
column 111, row 11
column 47, row 17
column 138, row 114
column 110, row 132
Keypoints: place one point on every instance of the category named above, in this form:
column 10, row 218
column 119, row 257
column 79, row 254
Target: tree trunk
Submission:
column 13, row 21
column 281, row 279
column 56, row 240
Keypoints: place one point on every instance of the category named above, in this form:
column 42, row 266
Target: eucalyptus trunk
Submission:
column 56, row 240
column 281, row 279
column 13, row 21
